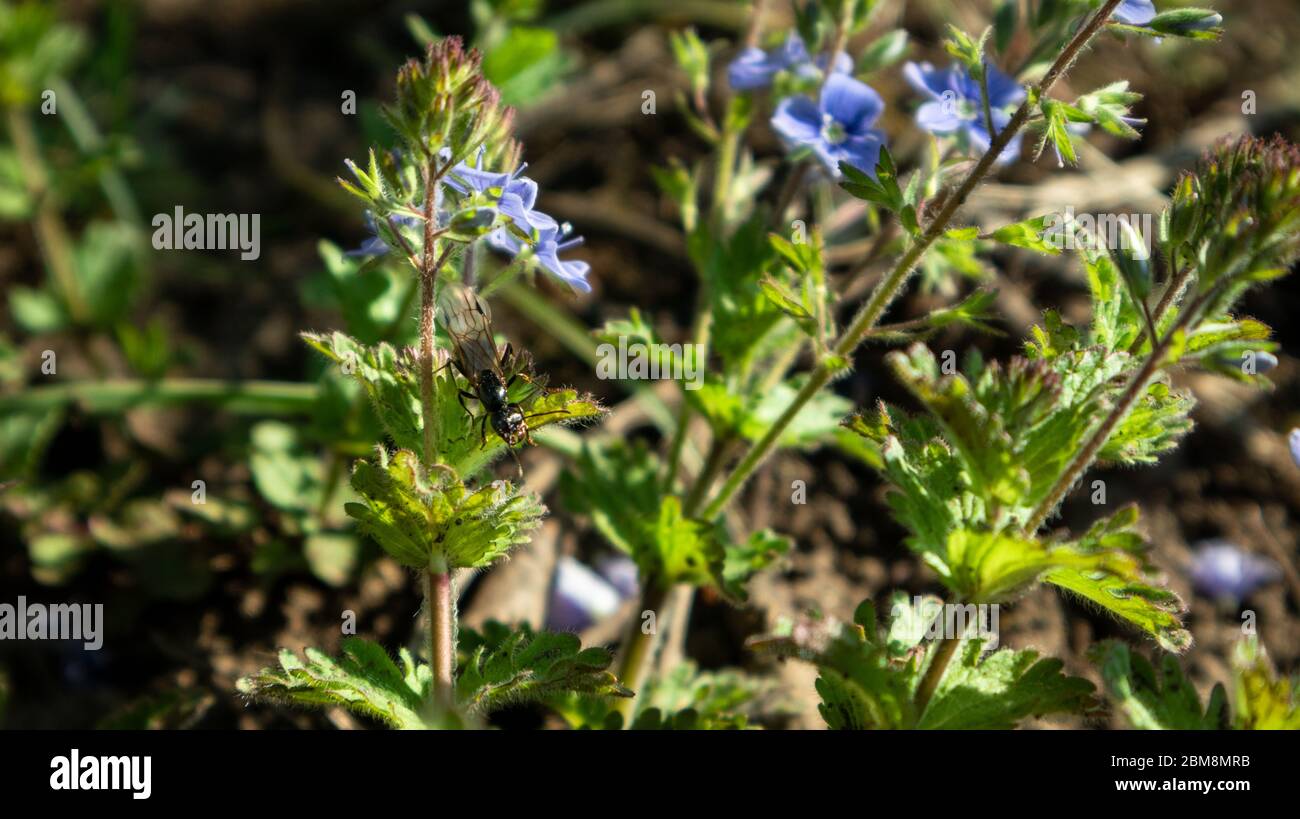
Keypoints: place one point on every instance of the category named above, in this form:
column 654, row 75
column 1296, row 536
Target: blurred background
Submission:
column 132, row 378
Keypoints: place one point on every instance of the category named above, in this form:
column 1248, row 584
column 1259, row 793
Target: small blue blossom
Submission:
column 1135, row 12
column 956, row 106
column 755, row 68
column 516, row 194
column 1293, row 440
column 546, row 250
column 1221, row 569
column 836, row 128
column 373, row 244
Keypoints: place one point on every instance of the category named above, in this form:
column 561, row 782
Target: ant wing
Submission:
column 468, row 321
column 528, row 384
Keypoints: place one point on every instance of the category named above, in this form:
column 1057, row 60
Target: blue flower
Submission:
column 546, row 250
column 956, row 106
column 1220, row 569
column 516, row 194
column 836, row 128
column 755, row 68
column 373, row 244
column 1293, row 440
column 1135, row 12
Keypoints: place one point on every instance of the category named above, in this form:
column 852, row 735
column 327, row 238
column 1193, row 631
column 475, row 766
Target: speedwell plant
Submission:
column 979, row 466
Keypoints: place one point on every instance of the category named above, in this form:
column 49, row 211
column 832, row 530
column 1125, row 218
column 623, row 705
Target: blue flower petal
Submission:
column 1135, row 12
column 939, row 118
column 751, row 69
column 798, row 121
column 852, row 103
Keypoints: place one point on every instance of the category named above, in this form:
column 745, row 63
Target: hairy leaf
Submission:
column 1156, row 701
column 424, row 520
column 998, row 690
column 502, row 667
column 364, row 679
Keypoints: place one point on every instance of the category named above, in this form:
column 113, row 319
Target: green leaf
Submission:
column 468, row 445
column 36, row 311
column 616, row 484
column 370, row 296
column 815, row 424
column 1118, row 580
column 364, row 679
column 1057, row 116
column 107, row 259
column 999, row 690
column 284, row 472
column 426, row 520
column 504, row 667
column 1262, row 700
column 862, row 682
column 1027, row 234
column 1151, row 701
column 527, row 65
column 685, row 550
column 886, row 50
column 1152, row 427
column 742, row 561
column 1110, row 107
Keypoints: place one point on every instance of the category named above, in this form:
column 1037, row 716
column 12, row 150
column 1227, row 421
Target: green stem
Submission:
column 943, row 655
column 117, row 395
column 1085, row 456
column 50, row 230
column 638, row 645
column 1173, row 291
column 431, row 260
column 73, row 113
column 889, row 287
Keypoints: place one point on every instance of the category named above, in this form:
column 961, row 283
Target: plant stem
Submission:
column 1085, row 456
column 442, row 630
column 943, row 655
column 637, row 645
column 889, row 287
column 428, row 285
column 114, row 395
column 50, row 230
column 1174, row 289
column 438, row 594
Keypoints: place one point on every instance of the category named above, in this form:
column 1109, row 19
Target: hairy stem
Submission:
column 1088, row 453
column 638, row 645
column 889, row 287
column 442, row 633
column 429, row 265
column 943, row 655
column 1172, row 292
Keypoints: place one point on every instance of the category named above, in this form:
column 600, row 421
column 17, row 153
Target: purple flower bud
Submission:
column 1221, row 569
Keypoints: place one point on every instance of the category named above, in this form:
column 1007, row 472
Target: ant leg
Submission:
column 461, row 398
column 482, row 431
column 541, row 414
